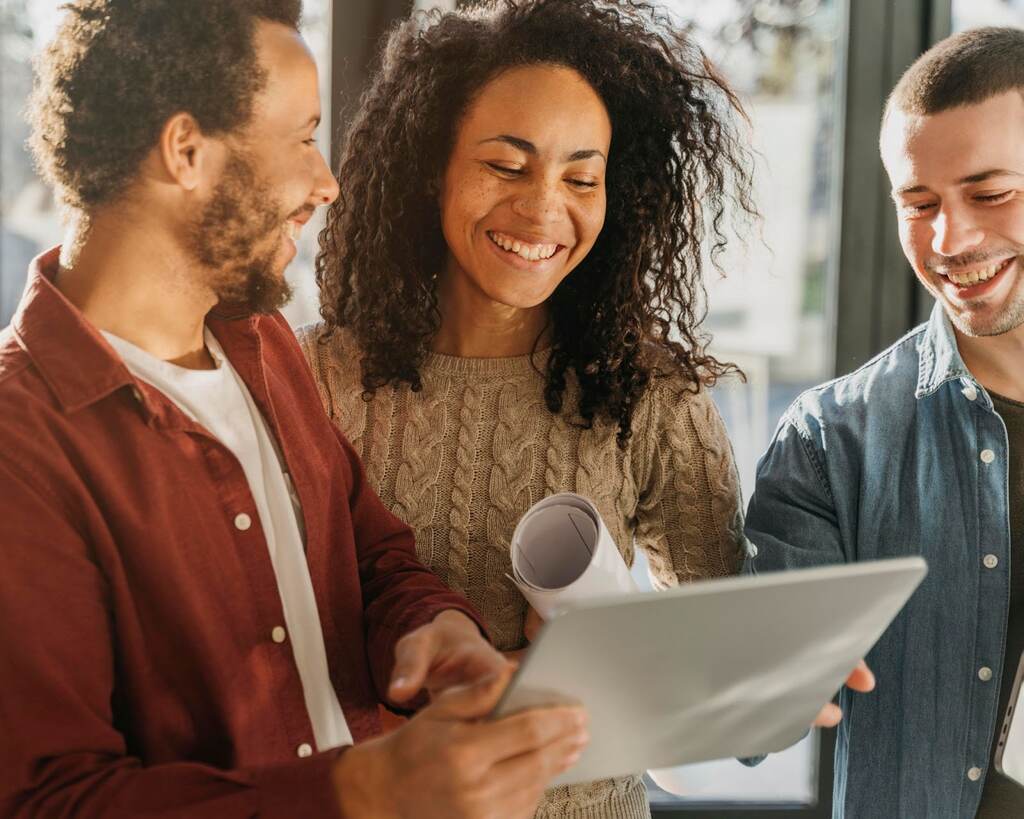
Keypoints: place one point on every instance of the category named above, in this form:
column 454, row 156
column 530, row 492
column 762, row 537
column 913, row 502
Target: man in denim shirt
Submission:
column 921, row 451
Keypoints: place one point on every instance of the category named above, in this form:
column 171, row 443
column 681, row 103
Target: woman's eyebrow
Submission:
column 528, row 147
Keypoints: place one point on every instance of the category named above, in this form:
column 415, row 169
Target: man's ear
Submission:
column 183, row 151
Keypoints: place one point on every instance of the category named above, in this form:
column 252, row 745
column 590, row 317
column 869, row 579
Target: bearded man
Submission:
column 202, row 600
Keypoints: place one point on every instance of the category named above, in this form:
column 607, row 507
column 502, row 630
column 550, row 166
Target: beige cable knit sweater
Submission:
column 464, row 458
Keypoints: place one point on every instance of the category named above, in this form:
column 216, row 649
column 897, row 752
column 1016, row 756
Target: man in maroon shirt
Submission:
column 147, row 667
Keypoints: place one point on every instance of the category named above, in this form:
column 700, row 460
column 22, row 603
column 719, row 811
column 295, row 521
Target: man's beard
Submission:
column 238, row 236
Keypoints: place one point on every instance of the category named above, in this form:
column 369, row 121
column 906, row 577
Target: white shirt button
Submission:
column 974, row 774
column 990, row 561
column 242, row 522
column 987, row 456
column 278, row 635
column 970, row 392
column 305, row 749
column 984, row 673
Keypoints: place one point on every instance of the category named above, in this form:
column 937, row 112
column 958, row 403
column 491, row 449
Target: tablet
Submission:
column 1009, row 760
column 731, row 667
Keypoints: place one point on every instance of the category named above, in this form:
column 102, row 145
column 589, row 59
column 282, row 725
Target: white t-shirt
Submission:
column 219, row 401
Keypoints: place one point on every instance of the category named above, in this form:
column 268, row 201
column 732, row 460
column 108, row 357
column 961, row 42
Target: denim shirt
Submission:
column 904, row 456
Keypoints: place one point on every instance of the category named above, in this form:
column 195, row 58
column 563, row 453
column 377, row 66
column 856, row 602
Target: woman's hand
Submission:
column 533, row 624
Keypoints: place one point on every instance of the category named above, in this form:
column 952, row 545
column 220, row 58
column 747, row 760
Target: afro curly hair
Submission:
column 117, row 70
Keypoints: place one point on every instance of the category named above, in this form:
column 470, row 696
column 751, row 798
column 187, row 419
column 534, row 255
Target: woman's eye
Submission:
column 582, row 183
column 494, row 166
column 993, row 197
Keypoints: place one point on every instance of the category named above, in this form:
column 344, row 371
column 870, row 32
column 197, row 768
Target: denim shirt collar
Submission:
column 939, row 358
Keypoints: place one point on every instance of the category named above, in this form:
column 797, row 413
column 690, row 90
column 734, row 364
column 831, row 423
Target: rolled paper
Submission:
column 562, row 553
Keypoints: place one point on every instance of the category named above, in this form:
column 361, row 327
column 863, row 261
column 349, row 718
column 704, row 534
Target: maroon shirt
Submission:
column 138, row 675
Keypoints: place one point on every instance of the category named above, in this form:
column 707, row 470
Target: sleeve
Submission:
column 400, row 594
column 689, row 516
column 61, row 755
column 792, row 521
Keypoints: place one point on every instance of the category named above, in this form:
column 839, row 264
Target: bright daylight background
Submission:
column 772, row 314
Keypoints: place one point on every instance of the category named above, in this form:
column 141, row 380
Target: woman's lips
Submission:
column 513, row 259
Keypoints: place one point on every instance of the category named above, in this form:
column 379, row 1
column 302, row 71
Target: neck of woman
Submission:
column 475, row 326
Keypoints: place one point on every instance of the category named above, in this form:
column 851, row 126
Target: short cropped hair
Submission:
column 965, row 69
column 117, row 70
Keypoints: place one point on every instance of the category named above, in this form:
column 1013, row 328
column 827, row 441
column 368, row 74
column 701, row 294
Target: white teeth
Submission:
column 531, row 253
column 975, row 276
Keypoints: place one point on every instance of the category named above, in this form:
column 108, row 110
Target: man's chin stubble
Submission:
column 1000, row 325
column 253, row 286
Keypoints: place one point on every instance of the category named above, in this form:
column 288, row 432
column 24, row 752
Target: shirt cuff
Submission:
column 301, row 788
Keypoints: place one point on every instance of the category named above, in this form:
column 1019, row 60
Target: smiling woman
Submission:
column 512, row 294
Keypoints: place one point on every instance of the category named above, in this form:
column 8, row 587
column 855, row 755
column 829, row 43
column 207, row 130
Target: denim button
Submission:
column 987, row 456
column 984, row 673
column 990, row 561
column 974, row 774
column 970, row 392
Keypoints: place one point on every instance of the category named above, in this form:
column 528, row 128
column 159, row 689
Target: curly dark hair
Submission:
column 117, row 70
column 678, row 171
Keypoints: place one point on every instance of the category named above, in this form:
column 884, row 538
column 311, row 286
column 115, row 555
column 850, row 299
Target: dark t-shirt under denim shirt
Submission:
column 905, row 456
column 1002, row 797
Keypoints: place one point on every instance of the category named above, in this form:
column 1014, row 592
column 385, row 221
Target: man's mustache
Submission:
column 302, row 211
column 969, row 260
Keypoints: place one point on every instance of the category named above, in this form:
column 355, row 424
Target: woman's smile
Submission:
column 518, row 253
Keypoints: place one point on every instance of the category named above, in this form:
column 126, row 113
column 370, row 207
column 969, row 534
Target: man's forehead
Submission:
column 277, row 43
column 956, row 143
column 291, row 90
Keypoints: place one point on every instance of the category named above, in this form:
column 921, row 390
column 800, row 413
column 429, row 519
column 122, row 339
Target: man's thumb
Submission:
column 413, row 656
column 474, row 701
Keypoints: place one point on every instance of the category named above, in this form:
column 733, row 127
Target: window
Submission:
column 29, row 222
column 305, row 305
column 773, row 312
column 29, row 218
column 975, row 13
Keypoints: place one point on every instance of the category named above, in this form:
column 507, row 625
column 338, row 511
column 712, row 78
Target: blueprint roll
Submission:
column 562, row 553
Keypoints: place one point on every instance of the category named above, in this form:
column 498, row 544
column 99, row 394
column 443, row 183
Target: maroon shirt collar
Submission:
column 72, row 356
